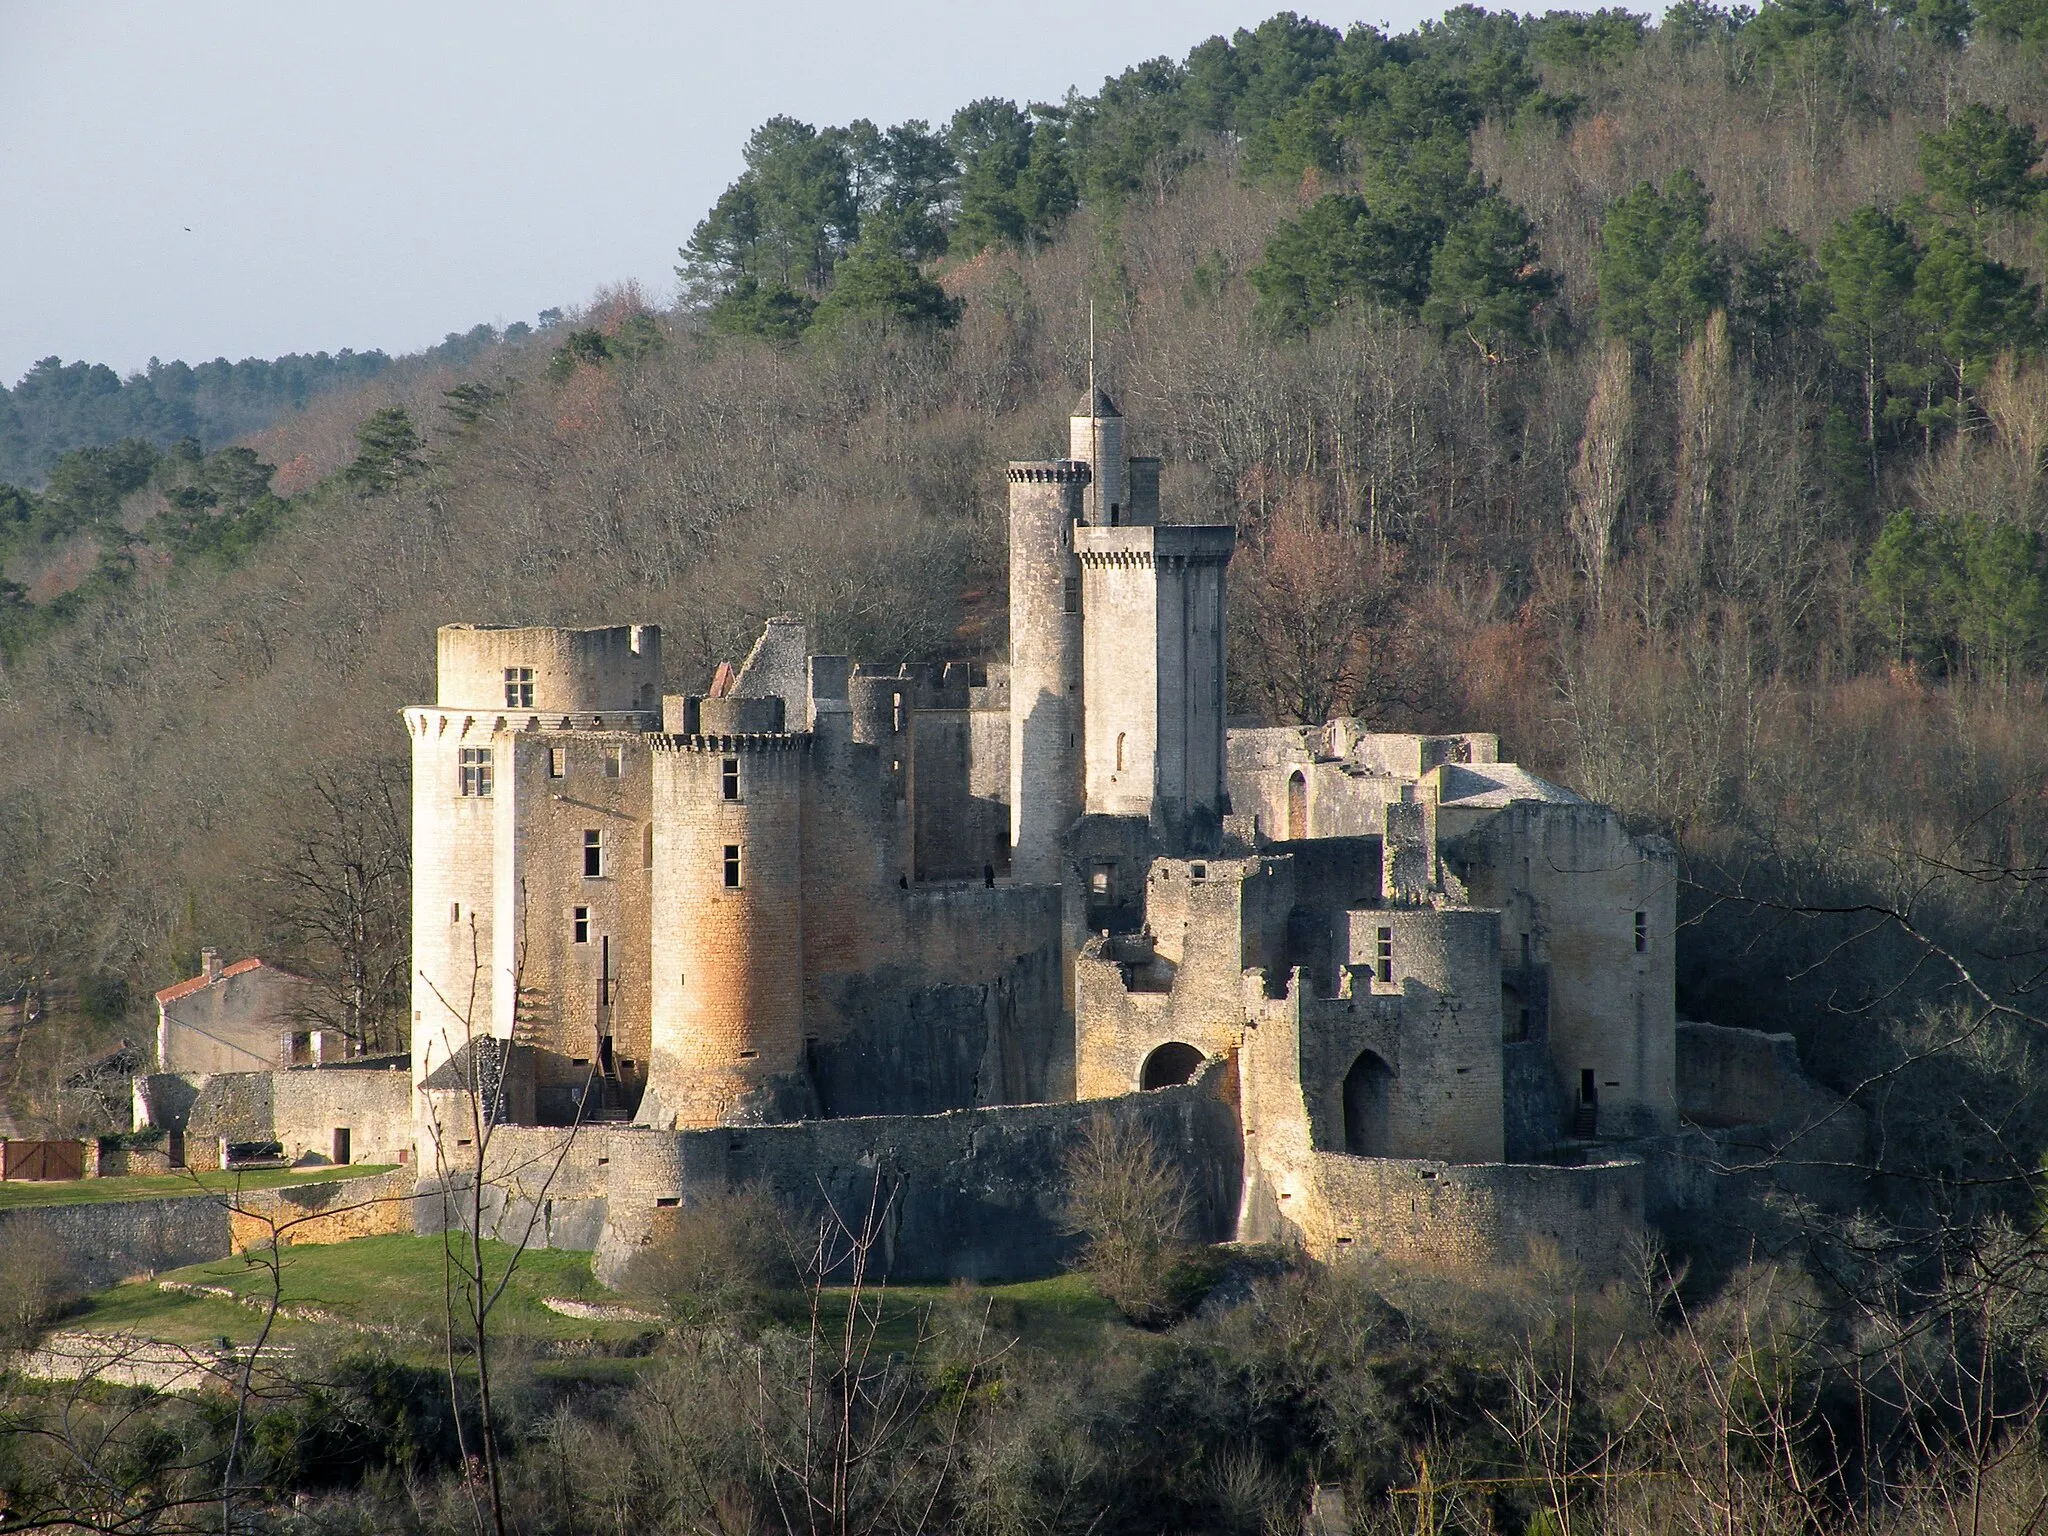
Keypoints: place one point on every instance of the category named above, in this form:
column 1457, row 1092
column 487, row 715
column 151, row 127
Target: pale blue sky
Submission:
column 375, row 175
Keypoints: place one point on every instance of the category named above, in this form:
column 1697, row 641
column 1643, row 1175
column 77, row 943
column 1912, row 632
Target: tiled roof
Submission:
column 201, row 982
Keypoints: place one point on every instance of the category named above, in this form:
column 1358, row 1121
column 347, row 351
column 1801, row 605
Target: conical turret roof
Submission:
column 1097, row 404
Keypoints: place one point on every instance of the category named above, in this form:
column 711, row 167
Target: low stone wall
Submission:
column 124, row 1360
column 101, row 1244
column 1475, row 1215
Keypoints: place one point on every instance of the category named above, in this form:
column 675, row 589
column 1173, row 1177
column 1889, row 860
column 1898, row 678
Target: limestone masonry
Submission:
column 1374, row 992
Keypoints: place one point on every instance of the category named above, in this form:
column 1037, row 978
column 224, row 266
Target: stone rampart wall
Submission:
column 972, row 1193
column 1473, row 1215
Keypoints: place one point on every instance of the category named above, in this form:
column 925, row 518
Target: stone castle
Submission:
column 900, row 932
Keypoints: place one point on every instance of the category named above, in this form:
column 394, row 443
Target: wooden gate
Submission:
column 42, row 1159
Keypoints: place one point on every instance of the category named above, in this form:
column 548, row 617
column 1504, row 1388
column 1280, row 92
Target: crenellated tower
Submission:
column 1045, row 664
column 727, row 924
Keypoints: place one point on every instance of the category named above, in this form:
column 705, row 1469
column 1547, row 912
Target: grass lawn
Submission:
column 16, row 1193
column 396, row 1283
column 381, row 1282
column 1062, row 1315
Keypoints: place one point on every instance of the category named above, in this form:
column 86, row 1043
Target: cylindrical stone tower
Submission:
column 1045, row 665
column 727, row 928
column 1095, row 437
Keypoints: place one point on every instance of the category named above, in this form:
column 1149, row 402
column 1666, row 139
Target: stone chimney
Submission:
column 209, row 965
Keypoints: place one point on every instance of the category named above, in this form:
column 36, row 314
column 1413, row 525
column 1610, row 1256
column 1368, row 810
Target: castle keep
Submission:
column 901, row 932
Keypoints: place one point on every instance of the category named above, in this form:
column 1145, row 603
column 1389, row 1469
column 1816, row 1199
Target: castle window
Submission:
column 454, row 911
column 1383, row 954
column 729, row 778
column 732, row 866
column 1119, row 751
column 593, row 855
column 1070, row 595
column 1198, row 871
column 475, row 763
column 558, row 762
column 614, row 760
column 519, row 687
column 895, row 711
column 579, row 926
column 647, row 846
column 1642, row 933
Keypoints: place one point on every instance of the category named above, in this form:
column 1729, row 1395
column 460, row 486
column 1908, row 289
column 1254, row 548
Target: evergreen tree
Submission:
column 777, row 314
column 1969, row 309
column 1907, row 582
column 992, row 139
column 2021, row 21
column 904, row 177
column 876, row 281
column 1983, row 163
column 1868, row 261
column 1312, row 264
column 388, row 453
column 1776, row 300
column 1486, row 279
column 785, row 221
column 1658, row 274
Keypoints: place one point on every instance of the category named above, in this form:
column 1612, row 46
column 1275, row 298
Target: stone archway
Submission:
column 1297, row 806
column 1169, row 1066
column 1368, row 1106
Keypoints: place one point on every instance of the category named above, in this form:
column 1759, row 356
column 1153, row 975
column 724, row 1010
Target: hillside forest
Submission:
column 1668, row 397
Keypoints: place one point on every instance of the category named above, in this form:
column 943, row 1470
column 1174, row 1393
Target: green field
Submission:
column 16, row 1193
column 395, row 1286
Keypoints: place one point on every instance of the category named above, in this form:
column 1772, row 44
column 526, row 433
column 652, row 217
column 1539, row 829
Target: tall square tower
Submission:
column 1153, row 618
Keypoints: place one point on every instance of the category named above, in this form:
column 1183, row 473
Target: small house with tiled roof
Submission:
column 245, row 1017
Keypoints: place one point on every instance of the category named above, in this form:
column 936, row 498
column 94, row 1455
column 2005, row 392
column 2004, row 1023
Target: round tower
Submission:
column 727, row 928
column 1045, row 664
column 1095, row 437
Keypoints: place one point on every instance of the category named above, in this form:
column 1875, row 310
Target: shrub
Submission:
column 1133, row 1210
column 716, row 1258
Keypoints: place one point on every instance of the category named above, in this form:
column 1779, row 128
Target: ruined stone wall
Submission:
column 1209, row 919
column 1743, row 1077
column 961, row 821
column 963, row 1009
column 853, row 856
column 578, row 980
column 314, row 1214
column 976, row 1194
column 1474, row 1217
column 613, row 668
column 1427, row 1210
column 1445, row 1098
column 881, row 703
column 1573, row 878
